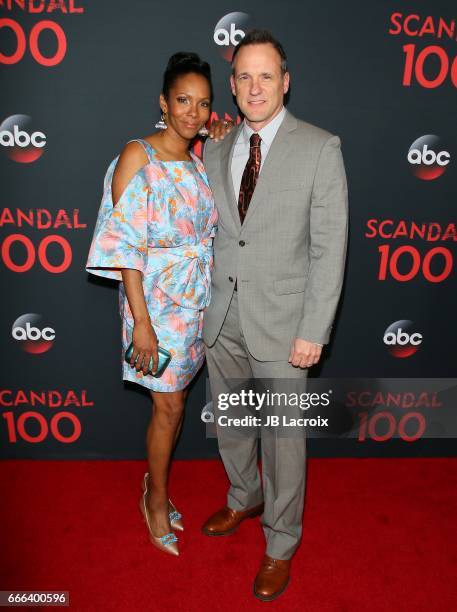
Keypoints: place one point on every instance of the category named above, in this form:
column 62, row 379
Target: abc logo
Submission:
column 229, row 31
column 427, row 157
column 32, row 335
column 401, row 340
column 22, row 143
column 207, row 415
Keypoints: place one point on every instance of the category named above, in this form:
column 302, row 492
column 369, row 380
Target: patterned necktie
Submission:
column 250, row 175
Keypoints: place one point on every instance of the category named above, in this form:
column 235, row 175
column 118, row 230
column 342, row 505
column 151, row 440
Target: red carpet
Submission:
column 379, row 534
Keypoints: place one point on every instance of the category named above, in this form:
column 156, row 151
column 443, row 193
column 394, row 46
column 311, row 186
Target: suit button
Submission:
column 231, row 279
column 241, row 243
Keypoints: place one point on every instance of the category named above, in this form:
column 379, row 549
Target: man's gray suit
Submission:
column 288, row 260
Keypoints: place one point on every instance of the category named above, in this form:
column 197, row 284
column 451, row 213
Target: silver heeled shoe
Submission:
column 166, row 543
column 174, row 516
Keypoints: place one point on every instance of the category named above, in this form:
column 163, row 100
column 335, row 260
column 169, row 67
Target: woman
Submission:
column 154, row 233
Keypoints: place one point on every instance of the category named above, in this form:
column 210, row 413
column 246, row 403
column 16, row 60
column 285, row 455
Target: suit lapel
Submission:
column 270, row 168
column 226, row 166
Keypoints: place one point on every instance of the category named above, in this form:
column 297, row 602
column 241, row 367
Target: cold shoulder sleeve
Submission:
column 120, row 237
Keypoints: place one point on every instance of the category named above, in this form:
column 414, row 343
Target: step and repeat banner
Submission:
column 79, row 78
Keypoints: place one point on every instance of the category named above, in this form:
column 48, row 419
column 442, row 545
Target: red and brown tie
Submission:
column 250, row 175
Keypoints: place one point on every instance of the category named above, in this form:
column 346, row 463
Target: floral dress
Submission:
column 163, row 225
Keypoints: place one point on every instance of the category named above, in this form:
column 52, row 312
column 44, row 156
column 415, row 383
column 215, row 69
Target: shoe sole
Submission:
column 272, row 597
column 230, row 531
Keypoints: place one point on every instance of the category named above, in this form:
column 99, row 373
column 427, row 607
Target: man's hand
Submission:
column 219, row 129
column 304, row 354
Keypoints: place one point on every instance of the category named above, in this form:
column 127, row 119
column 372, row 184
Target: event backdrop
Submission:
column 80, row 78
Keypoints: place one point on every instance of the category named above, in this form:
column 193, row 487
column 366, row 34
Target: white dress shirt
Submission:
column 242, row 146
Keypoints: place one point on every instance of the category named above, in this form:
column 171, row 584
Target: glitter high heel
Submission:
column 168, row 542
column 174, row 516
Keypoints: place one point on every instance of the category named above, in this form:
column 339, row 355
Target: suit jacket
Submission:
column 288, row 256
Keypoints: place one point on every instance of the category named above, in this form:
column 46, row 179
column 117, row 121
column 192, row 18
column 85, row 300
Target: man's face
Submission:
column 259, row 84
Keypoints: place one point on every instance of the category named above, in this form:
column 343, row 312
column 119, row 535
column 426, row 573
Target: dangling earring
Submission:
column 203, row 131
column 161, row 125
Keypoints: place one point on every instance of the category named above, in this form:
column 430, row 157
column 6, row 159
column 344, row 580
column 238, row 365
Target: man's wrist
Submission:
column 312, row 342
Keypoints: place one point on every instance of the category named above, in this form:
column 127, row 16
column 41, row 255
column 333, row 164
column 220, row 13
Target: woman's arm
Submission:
column 144, row 336
column 132, row 158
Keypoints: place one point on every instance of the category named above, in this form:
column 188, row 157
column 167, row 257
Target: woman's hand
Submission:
column 144, row 347
column 219, row 129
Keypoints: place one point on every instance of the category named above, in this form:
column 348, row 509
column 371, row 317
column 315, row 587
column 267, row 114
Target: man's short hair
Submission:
column 261, row 37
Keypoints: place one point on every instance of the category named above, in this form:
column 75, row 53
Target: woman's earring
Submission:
column 161, row 125
column 203, row 131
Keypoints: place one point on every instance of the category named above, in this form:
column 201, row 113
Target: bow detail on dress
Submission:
column 186, row 273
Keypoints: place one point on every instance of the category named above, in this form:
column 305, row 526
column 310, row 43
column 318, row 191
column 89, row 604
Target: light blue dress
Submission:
column 163, row 225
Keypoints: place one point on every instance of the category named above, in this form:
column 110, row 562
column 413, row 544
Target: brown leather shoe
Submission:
column 227, row 521
column 272, row 579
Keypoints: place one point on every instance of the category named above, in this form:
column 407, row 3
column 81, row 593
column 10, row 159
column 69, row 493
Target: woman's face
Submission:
column 188, row 105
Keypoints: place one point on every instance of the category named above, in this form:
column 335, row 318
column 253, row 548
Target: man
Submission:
column 280, row 189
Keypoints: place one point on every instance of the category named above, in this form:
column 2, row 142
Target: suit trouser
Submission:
column 283, row 457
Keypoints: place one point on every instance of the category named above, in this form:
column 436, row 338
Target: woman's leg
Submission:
column 163, row 430
column 178, row 430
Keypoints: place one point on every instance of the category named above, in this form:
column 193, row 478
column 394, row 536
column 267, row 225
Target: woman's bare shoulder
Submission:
column 132, row 158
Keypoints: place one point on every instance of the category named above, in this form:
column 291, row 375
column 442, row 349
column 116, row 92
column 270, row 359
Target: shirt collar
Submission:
column 268, row 132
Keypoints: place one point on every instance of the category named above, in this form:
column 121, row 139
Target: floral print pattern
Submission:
column 163, row 225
